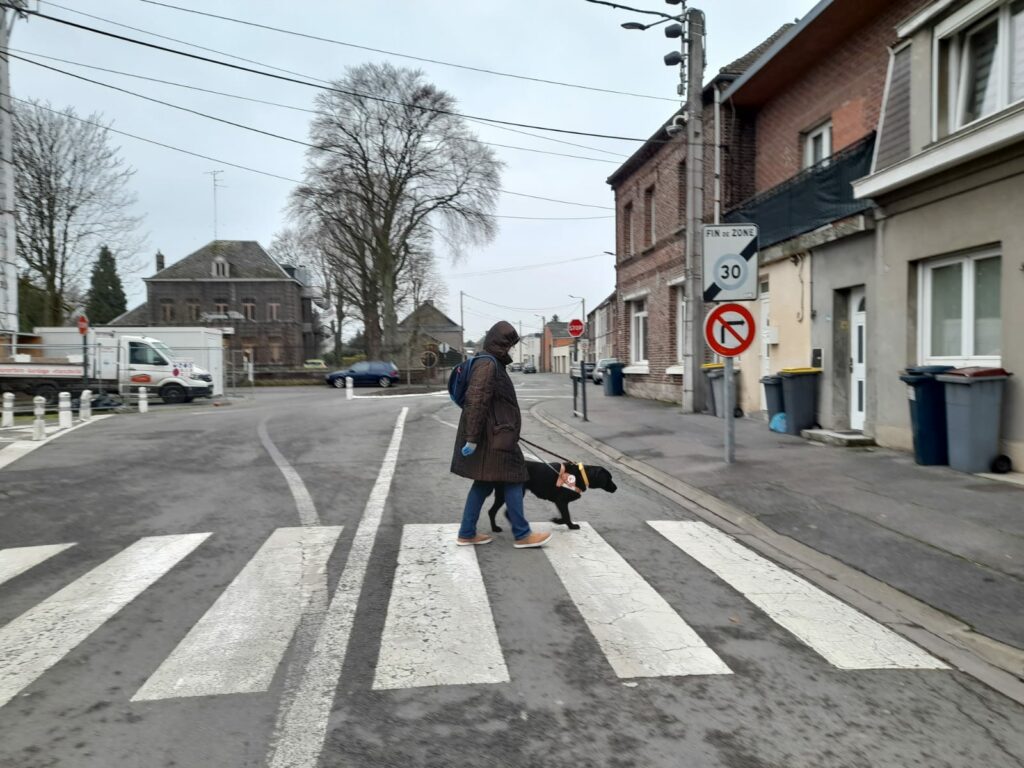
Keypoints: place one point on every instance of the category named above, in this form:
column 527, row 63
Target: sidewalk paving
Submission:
column 951, row 540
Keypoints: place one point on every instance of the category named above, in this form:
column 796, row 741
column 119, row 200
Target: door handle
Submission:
column 851, row 365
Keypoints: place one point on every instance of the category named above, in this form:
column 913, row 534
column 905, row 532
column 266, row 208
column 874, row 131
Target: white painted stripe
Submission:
column 237, row 645
column 640, row 634
column 303, row 501
column 19, row 559
column 439, row 628
column 301, row 726
column 844, row 636
column 12, row 453
column 40, row 637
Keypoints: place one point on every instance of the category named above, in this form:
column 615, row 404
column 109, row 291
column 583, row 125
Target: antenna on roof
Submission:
column 216, row 185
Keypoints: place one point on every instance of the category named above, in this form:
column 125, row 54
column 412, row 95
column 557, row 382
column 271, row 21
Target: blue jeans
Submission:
column 513, row 503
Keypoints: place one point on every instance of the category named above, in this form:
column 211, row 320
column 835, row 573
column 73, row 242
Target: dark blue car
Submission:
column 374, row 373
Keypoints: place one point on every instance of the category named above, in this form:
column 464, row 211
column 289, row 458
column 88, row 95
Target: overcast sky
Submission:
column 567, row 40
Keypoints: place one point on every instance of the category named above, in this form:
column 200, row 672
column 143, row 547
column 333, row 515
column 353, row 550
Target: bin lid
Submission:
column 798, row 371
column 711, row 366
column 978, row 372
column 771, row 379
column 915, row 378
column 927, row 369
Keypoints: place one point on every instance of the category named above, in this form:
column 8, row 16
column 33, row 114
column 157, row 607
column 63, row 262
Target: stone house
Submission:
column 948, row 180
column 424, row 330
column 266, row 309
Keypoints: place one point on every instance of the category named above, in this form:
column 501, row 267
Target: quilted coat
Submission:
column 491, row 417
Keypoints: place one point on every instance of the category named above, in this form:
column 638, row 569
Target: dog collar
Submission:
column 583, row 473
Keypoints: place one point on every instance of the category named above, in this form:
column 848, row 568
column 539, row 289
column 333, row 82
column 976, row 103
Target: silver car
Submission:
column 601, row 367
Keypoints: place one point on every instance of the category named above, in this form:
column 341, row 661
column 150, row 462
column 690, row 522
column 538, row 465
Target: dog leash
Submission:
column 579, row 465
column 544, row 450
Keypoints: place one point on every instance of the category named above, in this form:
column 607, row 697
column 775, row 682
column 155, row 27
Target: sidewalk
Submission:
column 950, row 540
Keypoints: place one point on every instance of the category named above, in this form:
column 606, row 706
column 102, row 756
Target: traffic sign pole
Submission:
column 729, row 331
column 730, row 422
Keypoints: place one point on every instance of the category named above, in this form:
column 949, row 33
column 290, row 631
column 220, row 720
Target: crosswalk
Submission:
column 439, row 611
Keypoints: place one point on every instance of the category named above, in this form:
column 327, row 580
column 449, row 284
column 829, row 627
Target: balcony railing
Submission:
column 811, row 199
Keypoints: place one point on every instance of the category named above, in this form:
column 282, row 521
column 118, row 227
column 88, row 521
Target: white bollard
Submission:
column 39, row 425
column 349, row 382
column 143, row 400
column 64, row 410
column 8, row 417
column 85, row 405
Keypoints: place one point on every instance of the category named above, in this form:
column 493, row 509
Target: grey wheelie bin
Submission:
column 927, row 398
column 800, row 393
column 773, row 395
column 713, row 372
column 974, row 405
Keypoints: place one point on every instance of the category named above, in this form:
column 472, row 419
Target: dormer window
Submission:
column 220, row 267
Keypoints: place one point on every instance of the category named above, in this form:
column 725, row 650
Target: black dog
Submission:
column 542, row 485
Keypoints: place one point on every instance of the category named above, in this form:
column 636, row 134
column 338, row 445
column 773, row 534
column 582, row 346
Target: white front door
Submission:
column 766, row 347
column 858, row 356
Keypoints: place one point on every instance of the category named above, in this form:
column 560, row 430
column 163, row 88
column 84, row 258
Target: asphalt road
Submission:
column 276, row 584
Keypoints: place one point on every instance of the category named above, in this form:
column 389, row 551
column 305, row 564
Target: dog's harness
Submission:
column 564, row 480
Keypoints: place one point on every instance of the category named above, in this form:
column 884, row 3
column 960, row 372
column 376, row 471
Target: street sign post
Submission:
column 576, row 328
column 729, row 331
column 83, row 328
column 730, row 262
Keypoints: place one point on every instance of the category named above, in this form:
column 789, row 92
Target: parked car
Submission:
column 529, row 368
column 369, row 372
column 516, row 367
column 574, row 370
column 314, row 364
column 601, row 367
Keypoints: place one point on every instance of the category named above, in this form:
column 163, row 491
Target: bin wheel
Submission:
column 737, row 412
column 1002, row 465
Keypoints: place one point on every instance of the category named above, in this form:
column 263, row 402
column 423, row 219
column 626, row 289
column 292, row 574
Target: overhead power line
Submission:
column 334, row 89
column 260, row 131
column 187, row 86
column 503, row 270
column 314, row 77
column 332, row 41
column 521, row 309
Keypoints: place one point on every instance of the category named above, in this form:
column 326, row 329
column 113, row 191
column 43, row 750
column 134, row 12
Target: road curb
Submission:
column 24, row 447
column 996, row 664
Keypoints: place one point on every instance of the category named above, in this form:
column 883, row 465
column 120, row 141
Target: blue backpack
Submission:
column 458, row 379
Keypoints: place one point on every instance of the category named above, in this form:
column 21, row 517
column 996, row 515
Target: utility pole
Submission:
column 520, row 345
column 462, row 322
column 216, row 185
column 693, row 383
column 8, row 252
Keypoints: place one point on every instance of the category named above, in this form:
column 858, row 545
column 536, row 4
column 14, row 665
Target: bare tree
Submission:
column 393, row 168
column 72, row 196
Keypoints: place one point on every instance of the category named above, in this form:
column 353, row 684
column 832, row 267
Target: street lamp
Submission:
column 543, row 338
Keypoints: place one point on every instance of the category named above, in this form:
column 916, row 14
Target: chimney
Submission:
column 159, row 261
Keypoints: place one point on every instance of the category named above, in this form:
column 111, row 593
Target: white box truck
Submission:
column 118, row 362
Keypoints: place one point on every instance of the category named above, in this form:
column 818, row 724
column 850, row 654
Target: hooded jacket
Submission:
column 491, row 417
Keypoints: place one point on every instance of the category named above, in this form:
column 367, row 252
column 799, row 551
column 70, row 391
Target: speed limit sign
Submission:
column 730, row 262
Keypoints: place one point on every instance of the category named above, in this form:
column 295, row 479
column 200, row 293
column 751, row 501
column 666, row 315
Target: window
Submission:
column 192, row 309
column 627, row 230
column 961, row 317
column 680, row 323
column 273, row 311
column 818, row 145
column 140, row 353
column 650, row 223
column 276, row 349
column 249, row 309
column 167, row 310
column 220, row 267
column 980, row 63
column 638, row 331
column 220, row 306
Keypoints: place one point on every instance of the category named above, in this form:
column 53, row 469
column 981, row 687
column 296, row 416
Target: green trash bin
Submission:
column 613, row 383
column 974, row 405
column 800, row 395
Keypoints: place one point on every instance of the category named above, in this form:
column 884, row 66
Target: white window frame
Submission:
column 650, row 210
column 638, row 333
column 968, row 19
column 825, row 131
column 924, row 314
column 273, row 310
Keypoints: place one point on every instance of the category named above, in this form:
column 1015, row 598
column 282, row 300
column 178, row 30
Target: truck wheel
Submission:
column 172, row 394
column 46, row 390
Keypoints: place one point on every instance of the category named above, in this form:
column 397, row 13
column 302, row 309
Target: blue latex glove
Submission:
column 469, row 449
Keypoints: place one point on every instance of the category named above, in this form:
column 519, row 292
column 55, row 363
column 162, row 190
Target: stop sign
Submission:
column 83, row 324
column 576, row 328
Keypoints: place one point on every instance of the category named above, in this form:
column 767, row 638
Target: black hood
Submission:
column 499, row 340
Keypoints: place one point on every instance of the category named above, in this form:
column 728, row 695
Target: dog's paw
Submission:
column 573, row 527
column 496, row 529
column 557, row 521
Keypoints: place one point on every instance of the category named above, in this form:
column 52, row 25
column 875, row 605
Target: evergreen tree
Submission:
column 106, row 294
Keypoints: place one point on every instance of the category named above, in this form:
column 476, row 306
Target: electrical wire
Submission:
column 520, row 309
column 260, row 131
column 528, row 266
column 334, row 89
column 236, row 165
column 14, row 51
column 307, row 36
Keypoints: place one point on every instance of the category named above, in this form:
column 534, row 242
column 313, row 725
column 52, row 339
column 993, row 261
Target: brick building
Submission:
column 650, row 203
column 265, row 308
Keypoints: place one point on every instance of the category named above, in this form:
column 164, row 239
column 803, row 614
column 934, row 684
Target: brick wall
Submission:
column 846, row 87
